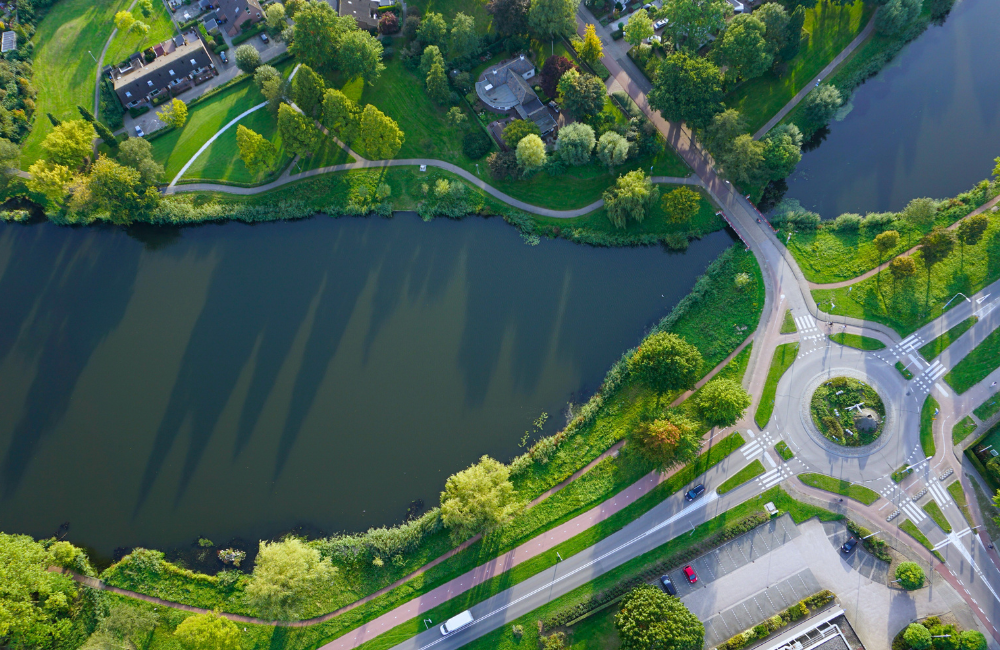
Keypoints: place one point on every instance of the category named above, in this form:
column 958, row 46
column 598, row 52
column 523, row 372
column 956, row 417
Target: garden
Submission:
column 848, row 412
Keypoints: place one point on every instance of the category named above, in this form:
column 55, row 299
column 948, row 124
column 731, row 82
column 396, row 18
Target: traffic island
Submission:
column 848, row 412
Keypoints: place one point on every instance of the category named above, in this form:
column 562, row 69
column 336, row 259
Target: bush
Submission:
column 136, row 111
column 910, row 576
column 360, row 549
column 476, row 144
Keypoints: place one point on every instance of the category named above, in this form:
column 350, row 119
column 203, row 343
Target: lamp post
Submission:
column 956, row 296
column 92, row 56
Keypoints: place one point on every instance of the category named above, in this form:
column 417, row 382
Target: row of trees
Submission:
column 328, row 42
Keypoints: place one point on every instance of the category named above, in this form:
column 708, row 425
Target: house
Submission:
column 233, row 13
column 364, row 12
column 188, row 65
column 738, row 7
column 506, row 87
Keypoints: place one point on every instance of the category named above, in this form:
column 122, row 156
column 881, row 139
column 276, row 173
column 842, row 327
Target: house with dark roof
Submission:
column 364, row 12
column 186, row 66
column 506, row 87
column 233, row 13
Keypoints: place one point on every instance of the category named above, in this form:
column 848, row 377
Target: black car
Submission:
column 668, row 586
column 695, row 492
column 848, row 546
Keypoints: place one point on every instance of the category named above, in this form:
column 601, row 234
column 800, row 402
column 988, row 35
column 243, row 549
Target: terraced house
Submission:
column 180, row 64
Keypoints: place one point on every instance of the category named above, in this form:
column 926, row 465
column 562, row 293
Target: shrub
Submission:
column 910, row 576
column 476, row 144
column 848, row 222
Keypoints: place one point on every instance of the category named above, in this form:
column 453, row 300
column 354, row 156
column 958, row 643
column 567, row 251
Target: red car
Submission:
column 690, row 574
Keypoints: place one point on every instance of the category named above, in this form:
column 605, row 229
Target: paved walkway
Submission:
column 100, row 65
column 825, row 72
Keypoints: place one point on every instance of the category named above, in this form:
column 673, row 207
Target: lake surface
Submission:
column 233, row 380
column 927, row 125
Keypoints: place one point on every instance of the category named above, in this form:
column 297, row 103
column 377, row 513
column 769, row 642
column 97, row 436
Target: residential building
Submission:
column 506, row 87
column 181, row 67
column 233, row 13
column 364, row 12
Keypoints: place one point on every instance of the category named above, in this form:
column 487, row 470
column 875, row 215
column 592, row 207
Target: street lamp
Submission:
column 956, row 296
column 867, row 536
column 92, row 56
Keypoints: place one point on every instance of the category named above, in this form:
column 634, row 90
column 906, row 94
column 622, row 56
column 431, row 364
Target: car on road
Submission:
column 138, row 131
column 456, row 622
column 222, row 55
column 264, row 38
column 668, row 585
column 690, row 574
column 695, row 492
column 848, row 546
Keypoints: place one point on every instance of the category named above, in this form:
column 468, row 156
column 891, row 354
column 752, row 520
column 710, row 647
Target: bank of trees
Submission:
column 328, row 42
column 650, row 619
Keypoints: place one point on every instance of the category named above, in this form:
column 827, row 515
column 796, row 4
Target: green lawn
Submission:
column 783, row 451
column 980, row 362
column 958, row 494
column 161, row 27
column 329, row 154
column 911, row 529
column 962, row 430
column 857, row 341
column 64, row 73
column 933, row 510
column 830, row 26
column 903, row 370
column 754, row 469
column 843, row 488
column 987, row 409
column 784, row 356
column 937, row 346
column 927, row 412
column 448, row 9
column 788, row 324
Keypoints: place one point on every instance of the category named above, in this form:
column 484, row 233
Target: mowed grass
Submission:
column 784, row 356
column 221, row 160
column 986, row 410
column 843, row 488
column 976, row 365
column 330, row 153
column 754, row 469
column 448, row 9
column 64, row 73
column 933, row 510
column 788, row 324
column 911, row 529
column 829, row 27
column 160, row 29
column 958, row 494
column 857, row 341
column 962, row 430
column 927, row 412
column 937, row 346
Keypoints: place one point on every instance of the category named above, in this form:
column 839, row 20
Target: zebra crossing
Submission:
column 939, row 493
column 912, row 511
column 805, row 323
column 757, row 446
column 929, row 377
column 769, row 479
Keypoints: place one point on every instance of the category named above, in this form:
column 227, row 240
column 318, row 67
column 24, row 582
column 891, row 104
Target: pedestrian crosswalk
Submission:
column 912, row 511
column 756, row 445
column 928, row 377
column 769, row 479
column 805, row 323
column 939, row 493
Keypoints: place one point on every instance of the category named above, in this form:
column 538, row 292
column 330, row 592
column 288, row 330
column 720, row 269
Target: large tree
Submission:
column 437, row 84
column 575, row 142
column 775, row 19
column 549, row 19
column 341, row 115
column 666, row 362
column 430, row 58
column 208, row 632
column 174, row 114
column 464, row 41
column 590, row 47
column 517, row 130
column 742, row 48
column 820, row 105
column 531, row 153
column 971, row 640
column 275, row 15
column 433, row 29
column 360, row 55
column 630, row 199
column 612, row 149
column 782, row 151
column 638, row 28
column 298, row 132
column 970, row 231
column 723, row 130
column 917, row 637
column 895, row 15
column 50, row 180
column 901, row 268
column 379, row 134
column 285, row 576
column 124, row 628
column 552, row 71
column 687, row 89
column 247, row 58
column 137, row 153
column 909, row 575
column 70, row 143
column 884, row 242
column 256, row 151
column 743, row 160
column 793, row 34
column 307, row 91
column 510, row 17
column 317, row 34
column 934, row 248
column 478, row 499
column 649, row 619
column 582, row 94
column 121, row 192
column 721, row 402
column 666, row 442
column 691, row 22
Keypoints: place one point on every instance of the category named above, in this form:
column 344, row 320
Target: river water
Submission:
column 233, row 380
column 927, row 125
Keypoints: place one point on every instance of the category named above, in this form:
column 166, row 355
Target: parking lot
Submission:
column 860, row 560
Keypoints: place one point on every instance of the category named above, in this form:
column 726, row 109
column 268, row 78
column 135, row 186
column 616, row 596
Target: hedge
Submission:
column 779, row 620
column 250, row 33
column 873, row 545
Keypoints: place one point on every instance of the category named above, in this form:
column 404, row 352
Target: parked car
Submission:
column 660, row 24
column 264, row 37
column 222, row 55
column 848, row 546
column 138, row 131
column 695, row 492
column 647, row 6
column 690, row 574
column 668, row 586
column 554, row 106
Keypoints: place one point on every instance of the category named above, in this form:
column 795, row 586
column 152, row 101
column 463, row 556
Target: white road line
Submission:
column 939, row 493
column 942, row 389
column 769, row 460
column 913, row 512
column 914, row 360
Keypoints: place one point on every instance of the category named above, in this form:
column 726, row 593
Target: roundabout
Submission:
column 847, row 412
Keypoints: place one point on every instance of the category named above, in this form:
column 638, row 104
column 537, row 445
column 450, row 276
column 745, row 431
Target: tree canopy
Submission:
column 433, row 29
column 638, row 28
column 478, row 499
column 341, row 115
column 552, row 71
column 743, row 49
column 208, row 632
column 910, row 575
column 687, row 89
column 531, row 153
column 256, row 151
column 649, row 619
column 550, row 19
column 667, row 442
column 247, row 58
column 307, row 90
column 174, row 114
column 121, row 191
column 575, row 142
column 284, row 575
column 631, row 197
column 681, row 205
column 360, row 55
column 137, row 153
column 612, row 149
column 591, row 49
column 317, row 34
column 582, row 94
column 510, row 17
column 691, row 22
column 516, row 130
column 820, row 105
column 70, row 143
column 917, row 637
column 298, row 132
column 721, row 402
column 464, row 41
column 379, row 134
column 666, row 362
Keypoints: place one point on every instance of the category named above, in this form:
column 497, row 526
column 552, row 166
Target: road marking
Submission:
column 938, row 493
column 913, row 512
column 914, row 360
column 769, row 460
column 751, row 450
column 942, row 389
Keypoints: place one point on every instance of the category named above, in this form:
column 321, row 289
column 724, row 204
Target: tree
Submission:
column 137, row 153
column 591, row 49
column 341, row 115
column 142, row 29
column 174, row 114
column 360, row 55
column 920, row 212
column 317, row 33
column 464, row 40
column 275, row 16
column 901, row 268
column 575, row 142
column 517, row 130
column 917, row 637
column 502, row 164
column 742, row 162
column 894, row 15
column 265, row 73
column 775, row 19
column 120, row 191
column 410, row 27
column 437, row 84
column 638, row 28
column 909, row 575
column 721, row 402
column 247, row 58
column 935, row 247
column 256, row 152
column 782, row 151
column 631, row 197
column 284, row 576
column 433, row 29
column 971, row 640
column 124, row 21
column 612, row 149
column 308, row 89
column 793, row 34
column 478, row 499
column 124, row 628
column 667, row 442
column 379, row 134
column 971, row 230
column 652, row 620
column 208, row 632
column 742, row 48
column 70, row 143
column 293, row 7
column 146, row 7
column 582, row 94
column 666, row 362
column 552, row 71
column 430, row 58
column 681, row 204
column 10, row 160
column 53, row 120
column 388, row 23
column 456, row 117
column 820, row 105
column 687, row 89
column 884, row 242
column 51, row 180
column 298, row 133
column 550, row 19
column 531, row 153
column 723, row 130
column 691, row 22
column 510, row 17
column 105, row 134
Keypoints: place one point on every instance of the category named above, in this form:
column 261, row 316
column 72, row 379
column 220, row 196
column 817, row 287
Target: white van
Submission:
column 456, row 622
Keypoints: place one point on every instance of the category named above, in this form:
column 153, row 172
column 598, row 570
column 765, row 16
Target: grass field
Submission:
column 975, row 366
column 161, row 27
column 788, row 324
column 448, row 9
column 933, row 510
column 64, row 73
column 987, row 409
column 756, row 468
column 843, row 488
column 962, row 430
column 903, row 370
column 958, row 494
column 911, row 529
column 830, row 27
column 783, row 451
column 784, row 356
column 927, row 413
column 937, row 346
column 857, row 341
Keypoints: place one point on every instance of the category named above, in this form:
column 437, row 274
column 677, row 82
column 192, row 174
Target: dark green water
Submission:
column 234, row 380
